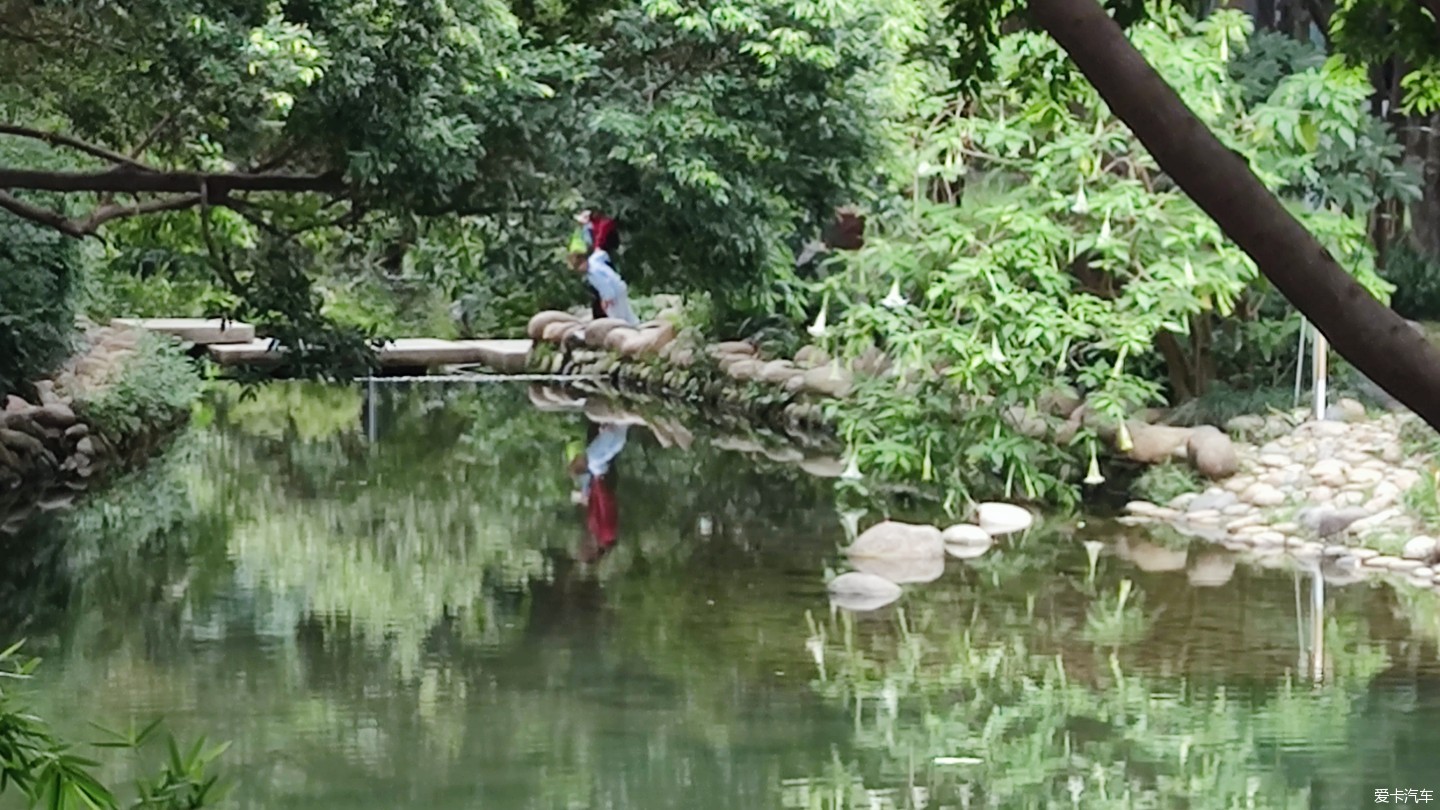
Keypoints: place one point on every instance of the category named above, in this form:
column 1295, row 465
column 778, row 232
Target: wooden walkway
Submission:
column 235, row 344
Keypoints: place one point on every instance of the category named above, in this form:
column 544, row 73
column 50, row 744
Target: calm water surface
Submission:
column 395, row 603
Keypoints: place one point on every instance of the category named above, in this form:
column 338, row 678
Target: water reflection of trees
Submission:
column 412, row 607
column 342, row 604
column 987, row 693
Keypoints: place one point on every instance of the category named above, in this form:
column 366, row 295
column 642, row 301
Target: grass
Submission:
column 1163, row 482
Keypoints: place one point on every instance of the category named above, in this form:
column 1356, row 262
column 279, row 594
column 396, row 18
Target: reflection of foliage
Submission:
column 47, row 770
column 1113, row 621
column 972, row 711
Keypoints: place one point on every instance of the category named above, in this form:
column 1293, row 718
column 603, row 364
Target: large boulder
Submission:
column 831, row 380
column 744, row 370
column 730, row 347
column 778, row 371
column 892, row 539
column 597, row 330
column 811, row 356
column 1152, row 444
column 536, row 329
column 555, row 331
column 1003, row 518
column 617, row 337
column 1212, row 453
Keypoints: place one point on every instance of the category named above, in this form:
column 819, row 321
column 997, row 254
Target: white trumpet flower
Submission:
column 1093, row 477
column 894, row 300
column 1082, row 204
column 852, row 471
column 819, row 328
column 1105, row 230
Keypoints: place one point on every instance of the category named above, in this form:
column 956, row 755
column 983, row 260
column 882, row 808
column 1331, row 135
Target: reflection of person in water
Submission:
column 594, row 473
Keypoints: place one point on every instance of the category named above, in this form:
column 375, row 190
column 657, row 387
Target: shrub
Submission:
column 38, row 272
column 158, row 384
column 1417, row 282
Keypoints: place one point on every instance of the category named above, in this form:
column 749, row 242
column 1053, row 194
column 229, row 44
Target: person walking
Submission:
column 601, row 274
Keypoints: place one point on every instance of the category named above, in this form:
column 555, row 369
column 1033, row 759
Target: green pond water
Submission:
column 383, row 604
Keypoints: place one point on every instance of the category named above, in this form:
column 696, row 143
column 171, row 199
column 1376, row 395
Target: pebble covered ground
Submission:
column 1341, row 491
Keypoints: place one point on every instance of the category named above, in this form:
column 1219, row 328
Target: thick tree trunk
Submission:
column 1364, row 331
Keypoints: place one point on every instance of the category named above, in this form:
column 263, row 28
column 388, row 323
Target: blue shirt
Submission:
column 607, row 282
column 602, row 452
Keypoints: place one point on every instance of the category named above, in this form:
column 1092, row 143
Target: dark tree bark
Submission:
column 1367, row 333
column 131, row 181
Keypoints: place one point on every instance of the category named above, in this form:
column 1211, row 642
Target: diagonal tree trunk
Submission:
column 1367, row 333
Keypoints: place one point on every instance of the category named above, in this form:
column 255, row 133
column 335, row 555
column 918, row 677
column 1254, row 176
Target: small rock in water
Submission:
column 14, row 404
column 1150, row 510
column 1003, row 518
column 966, row 541
column 893, row 539
column 967, row 534
column 860, row 592
column 1420, row 548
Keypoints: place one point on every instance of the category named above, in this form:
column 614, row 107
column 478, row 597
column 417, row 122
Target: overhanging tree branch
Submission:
column 43, row 216
column 1367, row 333
column 57, row 139
column 130, row 181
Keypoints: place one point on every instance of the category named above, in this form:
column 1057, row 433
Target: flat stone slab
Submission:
column 204, row 331
column 501, row 355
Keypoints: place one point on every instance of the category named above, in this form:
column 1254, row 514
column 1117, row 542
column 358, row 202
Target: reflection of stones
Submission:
column 1150, row 557
column 892, row 539
column 823, row 466
column 1325, row 523
column 1003, row 518
column 1212, row 569
column 902, row 570
column 858, row 591
column 966, row 541
column 1338, row 574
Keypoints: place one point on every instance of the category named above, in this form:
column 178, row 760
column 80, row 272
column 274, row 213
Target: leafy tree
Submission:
column 714, row 131
column 1071, row 259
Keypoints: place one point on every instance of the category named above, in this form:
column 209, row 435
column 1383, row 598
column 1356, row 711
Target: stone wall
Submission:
column 51, row 450
column 660, row 357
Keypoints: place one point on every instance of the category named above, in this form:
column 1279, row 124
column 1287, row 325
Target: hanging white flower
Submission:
column 1082, row 205
column 1189, row 273
column 852, row 470
column 894, row 300
column 819, row 329
column 1225, row 47
column 1093, row 477
column 1105, row 230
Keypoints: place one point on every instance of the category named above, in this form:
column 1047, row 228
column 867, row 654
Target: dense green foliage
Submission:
column 1058, row 255
column 39, row 272
column 719, row 134
column 156, row 386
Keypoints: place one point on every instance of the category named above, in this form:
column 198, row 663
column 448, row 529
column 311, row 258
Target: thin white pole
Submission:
column 1321, row 351
column 1299, row 364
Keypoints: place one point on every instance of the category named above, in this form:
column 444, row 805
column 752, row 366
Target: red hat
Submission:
column 604, row 228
